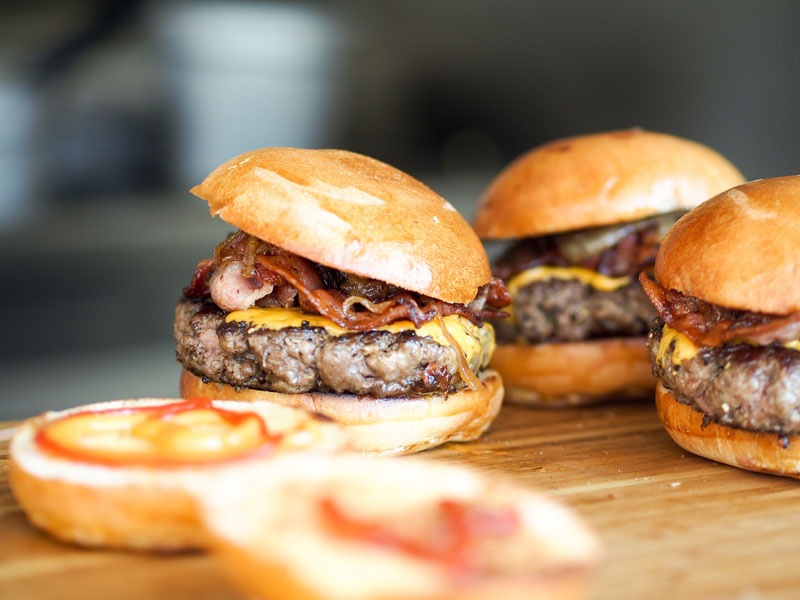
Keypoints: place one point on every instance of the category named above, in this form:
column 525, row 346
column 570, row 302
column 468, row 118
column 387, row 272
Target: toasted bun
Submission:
column 600, row 179
column 575, row 373
column 751, row 450
column 269, row 536
column 137, row 507
column 386, row 426
column 129, row 517
column 739, row 249
column 352, row 213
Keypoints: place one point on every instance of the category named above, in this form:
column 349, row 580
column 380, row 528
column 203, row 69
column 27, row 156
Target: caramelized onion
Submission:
column 375, row 308
column 616, row 250
column 577, row 247
column 250, row 248
column 464, row 369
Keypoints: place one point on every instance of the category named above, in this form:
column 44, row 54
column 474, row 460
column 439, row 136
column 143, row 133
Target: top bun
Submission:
column 739, row 249
column 600, row 179
column 351, row 213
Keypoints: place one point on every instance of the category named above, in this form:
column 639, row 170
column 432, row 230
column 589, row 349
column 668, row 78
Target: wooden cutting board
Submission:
column 673, row 525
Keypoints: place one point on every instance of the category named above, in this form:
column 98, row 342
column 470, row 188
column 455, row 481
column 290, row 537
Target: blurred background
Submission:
column 110, row 111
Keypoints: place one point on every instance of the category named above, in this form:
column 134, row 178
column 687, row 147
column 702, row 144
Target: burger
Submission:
column 349, row 288
column 581, row 217
column 726, row 345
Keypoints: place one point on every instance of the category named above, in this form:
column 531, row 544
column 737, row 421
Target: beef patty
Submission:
column 749, row 387
column 305, row 359
column 570, row 311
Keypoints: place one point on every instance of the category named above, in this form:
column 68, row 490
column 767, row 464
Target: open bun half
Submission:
column 575, row 373
column 600, row 179
column 352, row 213
column 141, row 508
column 273, row 541
column 751, row 450
column 739, row 249
column 386, row 426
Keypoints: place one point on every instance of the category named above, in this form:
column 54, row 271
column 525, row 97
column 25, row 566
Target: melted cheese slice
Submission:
column 597, row 280
column 477, row 343
column 686, row 348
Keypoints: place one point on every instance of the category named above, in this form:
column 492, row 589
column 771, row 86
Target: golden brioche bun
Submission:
column 739, row 249
column 386, row 426
column 575, row 373
column 600, row 179
column 269, row 538
column 352, row 213
column 141, row 508
column 751, row 450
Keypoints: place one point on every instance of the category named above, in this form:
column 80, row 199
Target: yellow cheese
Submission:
column 597, row 280
column 477, row 343
column 684, row 347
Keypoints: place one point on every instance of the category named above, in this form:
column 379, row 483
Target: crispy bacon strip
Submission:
column 330, row 303
column 708, row 324
column 317, row 291
column 198, row 287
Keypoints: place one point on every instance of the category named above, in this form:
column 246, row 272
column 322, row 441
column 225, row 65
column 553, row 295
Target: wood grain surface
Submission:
column 673, row 525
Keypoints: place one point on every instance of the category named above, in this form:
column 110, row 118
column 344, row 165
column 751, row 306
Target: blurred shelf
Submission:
column 32, row 386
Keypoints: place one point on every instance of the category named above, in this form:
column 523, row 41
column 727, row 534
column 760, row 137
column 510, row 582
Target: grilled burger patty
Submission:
column 305, row 359
column 569, row 311
column 750, row 387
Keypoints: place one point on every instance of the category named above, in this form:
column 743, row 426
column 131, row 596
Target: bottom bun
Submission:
column 140, row 507
column 385, row 426
column 133, row 517
column 575, row 373
column 752, row 450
